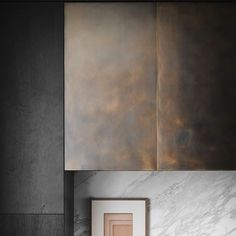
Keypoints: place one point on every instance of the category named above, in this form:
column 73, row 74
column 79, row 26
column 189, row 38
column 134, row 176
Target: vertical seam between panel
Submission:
column 157, row 93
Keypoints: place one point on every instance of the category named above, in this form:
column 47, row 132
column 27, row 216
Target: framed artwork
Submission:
column 118, row 217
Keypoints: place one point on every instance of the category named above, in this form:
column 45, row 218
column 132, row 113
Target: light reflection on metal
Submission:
column 110, row 77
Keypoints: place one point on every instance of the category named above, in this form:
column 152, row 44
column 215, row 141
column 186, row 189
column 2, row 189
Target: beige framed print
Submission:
column 118, row 217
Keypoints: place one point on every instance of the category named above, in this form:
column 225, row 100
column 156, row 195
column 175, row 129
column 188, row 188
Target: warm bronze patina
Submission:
column 196, row 85
column 150, row 86
column 110, row 79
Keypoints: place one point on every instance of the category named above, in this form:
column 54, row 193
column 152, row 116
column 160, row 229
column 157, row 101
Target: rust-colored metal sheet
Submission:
column 110, row 86
column 196, row 85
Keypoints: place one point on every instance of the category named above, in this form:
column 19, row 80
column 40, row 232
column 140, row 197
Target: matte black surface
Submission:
column 32, row 225
column 31, row 59
column 69, row 203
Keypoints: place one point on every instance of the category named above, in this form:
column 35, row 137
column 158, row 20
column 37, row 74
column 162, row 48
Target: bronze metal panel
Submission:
column 196, row 85
column 110, row 80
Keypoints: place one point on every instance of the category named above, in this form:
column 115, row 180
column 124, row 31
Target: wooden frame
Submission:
column 137, row 207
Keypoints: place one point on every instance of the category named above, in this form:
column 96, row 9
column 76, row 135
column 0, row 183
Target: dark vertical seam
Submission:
column 63, row 132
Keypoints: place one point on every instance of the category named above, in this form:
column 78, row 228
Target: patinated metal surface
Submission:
column 110, row 79
column 134, row 102
column 196, row 85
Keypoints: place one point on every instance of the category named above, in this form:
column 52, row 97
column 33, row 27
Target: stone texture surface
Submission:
column 182, row 203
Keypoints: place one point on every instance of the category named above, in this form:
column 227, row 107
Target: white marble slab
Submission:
column 182, row 203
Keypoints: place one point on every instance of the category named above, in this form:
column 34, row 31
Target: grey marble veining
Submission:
column 182, row 203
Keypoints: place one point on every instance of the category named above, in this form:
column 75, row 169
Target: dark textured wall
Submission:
column 31, row 164
column 31, row 108
column 196, row 85
column 32, row 225
column 69, row 203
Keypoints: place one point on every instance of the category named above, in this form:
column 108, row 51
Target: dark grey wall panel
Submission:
column 196, row 85
column 32, row 225
column 31, row 166
column 69, row 203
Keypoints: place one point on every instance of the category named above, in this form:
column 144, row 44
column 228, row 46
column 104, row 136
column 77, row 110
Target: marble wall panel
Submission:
column 182, row 203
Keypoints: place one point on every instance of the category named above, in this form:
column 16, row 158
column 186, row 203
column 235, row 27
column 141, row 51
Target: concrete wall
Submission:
column 31, row 165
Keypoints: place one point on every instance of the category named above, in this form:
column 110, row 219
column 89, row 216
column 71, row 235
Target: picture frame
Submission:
column 118, row 216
